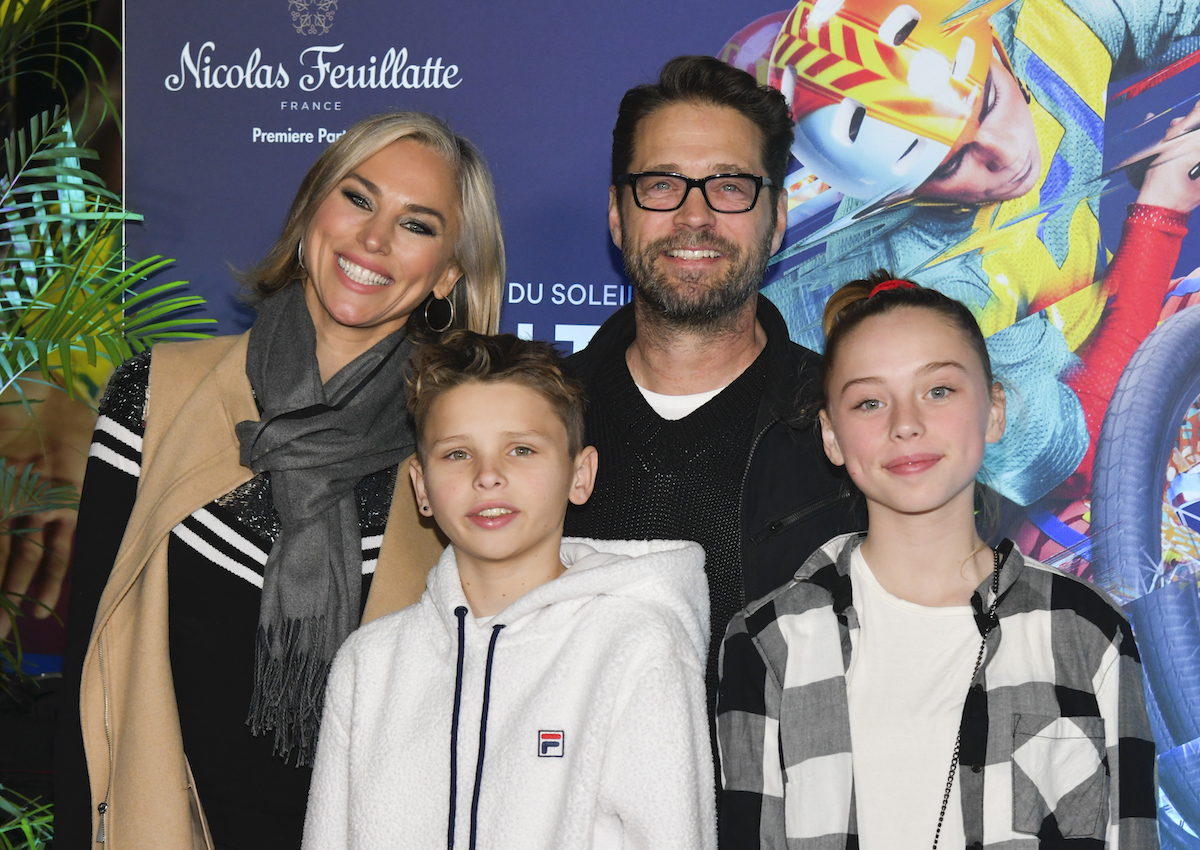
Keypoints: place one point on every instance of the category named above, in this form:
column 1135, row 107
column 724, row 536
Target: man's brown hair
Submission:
column 707, row 81
column 465, row 357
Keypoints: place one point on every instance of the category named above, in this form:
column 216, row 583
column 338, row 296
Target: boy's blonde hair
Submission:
column 464, row 357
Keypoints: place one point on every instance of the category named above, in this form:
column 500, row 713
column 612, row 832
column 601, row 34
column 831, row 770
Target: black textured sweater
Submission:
column 744, row 474
column 675, row 479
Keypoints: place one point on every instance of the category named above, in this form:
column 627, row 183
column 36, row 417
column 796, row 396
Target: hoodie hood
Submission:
column 666, row 573
column 600, row 672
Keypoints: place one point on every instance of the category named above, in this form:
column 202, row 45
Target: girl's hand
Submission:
column 1173, row 178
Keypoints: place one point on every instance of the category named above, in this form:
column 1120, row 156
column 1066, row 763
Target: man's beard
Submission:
column 687, row 301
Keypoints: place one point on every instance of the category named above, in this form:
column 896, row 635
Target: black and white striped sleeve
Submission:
column 109, row 490
column 117, row 441
column 110, row 484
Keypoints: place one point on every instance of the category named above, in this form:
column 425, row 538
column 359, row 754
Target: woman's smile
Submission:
column 360, row 274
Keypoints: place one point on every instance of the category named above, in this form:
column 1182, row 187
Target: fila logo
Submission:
column 550, row 743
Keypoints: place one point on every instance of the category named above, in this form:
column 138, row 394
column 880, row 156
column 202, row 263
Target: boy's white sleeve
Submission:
column 658, row 770
column 327, row 822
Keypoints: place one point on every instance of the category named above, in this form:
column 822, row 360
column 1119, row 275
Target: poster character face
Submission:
column 885, row 94
column 909, row 413
column 999, row 159
column 380, row 242
column 695, row 266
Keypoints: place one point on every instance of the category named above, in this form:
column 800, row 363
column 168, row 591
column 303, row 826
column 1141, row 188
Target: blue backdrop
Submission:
column 228, row 103
column 535, row 85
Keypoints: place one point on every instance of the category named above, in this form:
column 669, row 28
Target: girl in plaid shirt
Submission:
column 912, row 686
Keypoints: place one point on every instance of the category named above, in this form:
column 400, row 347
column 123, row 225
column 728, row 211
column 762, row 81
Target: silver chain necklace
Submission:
column 991, row 624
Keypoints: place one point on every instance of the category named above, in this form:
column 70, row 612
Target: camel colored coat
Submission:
column 198, row 391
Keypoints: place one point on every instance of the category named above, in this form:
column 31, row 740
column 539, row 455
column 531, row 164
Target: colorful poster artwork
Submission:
column 1036, row 160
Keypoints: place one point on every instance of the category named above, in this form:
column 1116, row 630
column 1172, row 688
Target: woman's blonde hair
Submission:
column 479, row 251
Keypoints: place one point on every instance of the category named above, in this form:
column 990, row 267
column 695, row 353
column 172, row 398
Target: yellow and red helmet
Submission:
column 881, row 91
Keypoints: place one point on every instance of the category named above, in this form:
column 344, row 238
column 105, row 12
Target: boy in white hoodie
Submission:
column 544, row 693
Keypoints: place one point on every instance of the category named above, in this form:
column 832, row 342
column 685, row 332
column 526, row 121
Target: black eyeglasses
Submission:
column 664, row 191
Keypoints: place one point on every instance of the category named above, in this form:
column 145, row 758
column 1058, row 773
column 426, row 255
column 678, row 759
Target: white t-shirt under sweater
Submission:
column 674, row 407
column 907, row 685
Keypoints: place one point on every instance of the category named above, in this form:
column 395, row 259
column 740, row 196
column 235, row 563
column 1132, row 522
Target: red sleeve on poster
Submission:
column 1137, row 281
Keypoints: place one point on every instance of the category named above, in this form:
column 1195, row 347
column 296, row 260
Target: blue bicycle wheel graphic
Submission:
column 1141, row 429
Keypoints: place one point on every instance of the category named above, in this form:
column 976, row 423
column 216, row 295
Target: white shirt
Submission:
column 906, row 687
column 677, row 406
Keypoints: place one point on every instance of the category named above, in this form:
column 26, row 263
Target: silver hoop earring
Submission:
column 449, row 321
column 300, row 254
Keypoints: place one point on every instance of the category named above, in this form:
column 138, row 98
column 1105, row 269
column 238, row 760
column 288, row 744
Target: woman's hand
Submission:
column 1173, row 178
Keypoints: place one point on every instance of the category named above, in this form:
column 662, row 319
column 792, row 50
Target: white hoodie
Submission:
column 596, row 732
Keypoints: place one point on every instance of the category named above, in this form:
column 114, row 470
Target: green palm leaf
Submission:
column 22, row 20
column 23, row 493
column 64, row 286
column 25, row 824
column 24, row 51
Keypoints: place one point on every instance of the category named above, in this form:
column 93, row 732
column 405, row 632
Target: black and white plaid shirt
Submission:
column 1056, row 745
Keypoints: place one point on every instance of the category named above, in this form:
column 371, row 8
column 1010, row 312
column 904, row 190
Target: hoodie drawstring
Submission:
column 461, row 613
column 487, row 692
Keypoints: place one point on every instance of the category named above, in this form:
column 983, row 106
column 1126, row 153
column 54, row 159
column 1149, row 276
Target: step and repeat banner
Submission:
column 1076, row 111
column 228, row 104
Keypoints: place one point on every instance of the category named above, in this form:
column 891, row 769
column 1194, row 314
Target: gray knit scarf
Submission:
column 315, row 442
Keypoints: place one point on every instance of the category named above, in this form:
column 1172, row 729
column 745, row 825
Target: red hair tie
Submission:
column 891, row 284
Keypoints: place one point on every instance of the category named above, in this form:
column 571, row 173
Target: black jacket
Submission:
column 793, row 499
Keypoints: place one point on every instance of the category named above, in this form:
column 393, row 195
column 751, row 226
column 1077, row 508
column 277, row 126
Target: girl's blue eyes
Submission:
column 937, row 393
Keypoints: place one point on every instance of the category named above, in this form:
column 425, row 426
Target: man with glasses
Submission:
column 698, row 403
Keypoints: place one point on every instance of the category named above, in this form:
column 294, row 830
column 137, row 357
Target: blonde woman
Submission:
column 238, row 518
